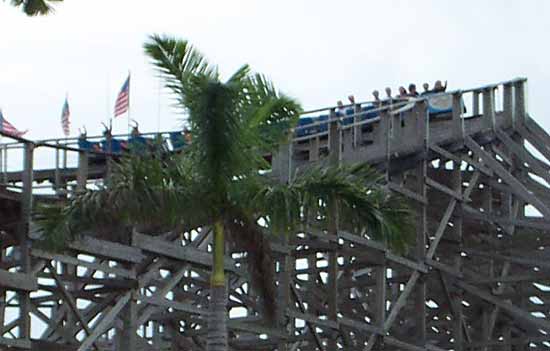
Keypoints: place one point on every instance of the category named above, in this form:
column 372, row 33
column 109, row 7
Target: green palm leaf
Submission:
column 358, row 194
column 35, row 7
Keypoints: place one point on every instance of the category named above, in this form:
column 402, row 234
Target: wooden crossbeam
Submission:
column 401, row 301
column 506, row 306
column 16, row 343
column 537, row 166
column 519, row 189
column 109, row 249
column 455, row 307
column 309, row 323
column 441, row 228
column 444, row 189
column 542, row 142
column 69, row 299
column 496, row 309
column 17, row 281
column 165, row 303
column 408, row 193
column 121, row 272
column 181, row 253
column 170, row 284
column 105, row 322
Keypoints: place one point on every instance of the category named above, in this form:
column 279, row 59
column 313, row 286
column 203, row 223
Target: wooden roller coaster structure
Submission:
column 478, row 277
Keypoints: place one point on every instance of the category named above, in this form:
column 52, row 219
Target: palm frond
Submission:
column 147, row 193
column 221, row 147
column 35, row 7
column 270, row 114
column 357, row 192
column 177, row 62
column 90, row 211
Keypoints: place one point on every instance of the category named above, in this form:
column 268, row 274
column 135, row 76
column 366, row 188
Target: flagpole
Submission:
column 129, row 102
column 66, row 135
column 107, row 106
column 67, row 101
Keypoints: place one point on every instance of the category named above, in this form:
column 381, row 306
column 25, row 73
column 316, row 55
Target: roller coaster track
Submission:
column 478, row 277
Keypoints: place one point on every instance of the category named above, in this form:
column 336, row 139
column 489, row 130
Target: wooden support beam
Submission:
column 536, row 138
column 108, row 249
column 17, row 281
column 15, row 343
column 519, row 189
column 23, row 229
column 180, row 253
column 537, row 166
column 441, row 228
column 70, row 301
column 146, row 312
column 309, row 322
column 444, row 189
column 447, row 154
column 494, row 313
column 105, row 322
column 401, row 301
column 506, row 306
column 408, row 193
column 121, row 272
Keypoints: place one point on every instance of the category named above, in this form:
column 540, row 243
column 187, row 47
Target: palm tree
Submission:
column 35, row 7
column 233, row 124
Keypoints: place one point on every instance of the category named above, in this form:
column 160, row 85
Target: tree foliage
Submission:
column 35, row 7
column 218, row 179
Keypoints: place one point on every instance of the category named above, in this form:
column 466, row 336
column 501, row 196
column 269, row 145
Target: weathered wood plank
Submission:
column 121, row 272
column 507, row 306
column 105, row 322
column 18, row 281
column 443, row 224
column 519, row 189
column 180, row 306
column 180, row 253
column 401, row 301
column 108, row 249
column 16, row 343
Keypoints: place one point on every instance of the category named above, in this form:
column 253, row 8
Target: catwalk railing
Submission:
column 365, row 134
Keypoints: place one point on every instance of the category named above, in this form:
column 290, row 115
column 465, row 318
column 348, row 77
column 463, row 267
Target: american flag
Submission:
column 123, row 99
column 7, row 128
column 65, row 114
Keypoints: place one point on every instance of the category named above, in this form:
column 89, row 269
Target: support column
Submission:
column 380, row 295
column 82, row 174
column 475, row 98
column 2, row 291
column 458, row 121
column 508, row 105
column 421, row 223
column 285, row 278
column 335, row 140
column 507, row 334
column 457, row 294
column 488, row 108
column 24, row 242
column 520, row 105
column 57, row 175
column 335, row 155
column 127, row 336
column 357, row 134
column 421, row 227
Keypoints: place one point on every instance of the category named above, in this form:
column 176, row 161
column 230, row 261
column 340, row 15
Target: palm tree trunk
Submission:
column 217, row 326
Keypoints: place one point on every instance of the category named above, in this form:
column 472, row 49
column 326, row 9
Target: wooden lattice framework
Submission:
column 477, row 279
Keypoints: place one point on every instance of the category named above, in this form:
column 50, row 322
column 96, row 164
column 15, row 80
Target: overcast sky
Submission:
column 317, row 51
